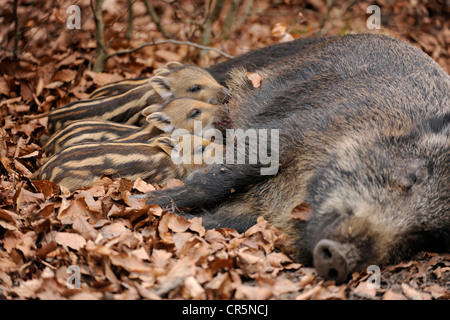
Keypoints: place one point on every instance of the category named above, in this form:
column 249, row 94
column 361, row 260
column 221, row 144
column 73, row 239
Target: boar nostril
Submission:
column 333, row 274
column 330, row 260
column 326, row 254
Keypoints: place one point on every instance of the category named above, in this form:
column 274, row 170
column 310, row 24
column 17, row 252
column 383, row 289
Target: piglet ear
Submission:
column 162, row 87
column 166, row 144
column 173, row 65
column 150, row 109
column 161, row 121
column 303, row 212
column 163, row 72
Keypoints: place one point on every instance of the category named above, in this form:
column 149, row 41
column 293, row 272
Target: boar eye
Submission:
column 195, row 88
column 194, row 113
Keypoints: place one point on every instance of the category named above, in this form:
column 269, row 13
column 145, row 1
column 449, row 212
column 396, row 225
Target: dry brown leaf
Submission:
column 278, row 259
column 414, row 294
column 155, row 210
column 392, row 294
column 173, row 183
column 255, row 79
column 309, row 294
column 283, row 285
column 54, row 85
column 438, row 292
column 4, row 87
column 74, row 208
column 177, row 223
column 141, row 254
column 71, row 240
column 192, row 289
column 130, row 262
column 48, row 188
column 27, row 289
column 84, row 228
column 331, row 293
column 166, row 55
column 365, row 289
column 65, row 75
column 307, row 279
column 9, row 217
column 92, row 204
column 196, row 226
column 252, row 293
column 175, row 277
column 26, row 197
column 163, row 229
column 160, row 258
column 111, row 231
column 101, row 78
column 142, row 186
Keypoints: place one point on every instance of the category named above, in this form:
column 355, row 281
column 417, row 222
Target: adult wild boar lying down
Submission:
column 364, row 151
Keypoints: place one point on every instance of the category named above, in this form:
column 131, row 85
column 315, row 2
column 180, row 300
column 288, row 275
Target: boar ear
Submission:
column 303, row 212
column 166, row 144
column 162, row 87
column 150, row 109
column 439, row 124
column 414, row 174
column 161, row 121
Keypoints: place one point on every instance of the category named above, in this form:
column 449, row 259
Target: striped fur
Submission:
column 81, row 165
column 122, row 108
column 175, row 114
column 176, row 81
column 122, row 86
column 118, row 87
column 86, row 131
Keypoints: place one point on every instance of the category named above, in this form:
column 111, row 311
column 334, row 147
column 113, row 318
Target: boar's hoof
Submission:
column 331, row 260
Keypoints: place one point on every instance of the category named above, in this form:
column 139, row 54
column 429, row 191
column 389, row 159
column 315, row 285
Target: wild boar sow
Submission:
column 364, row 155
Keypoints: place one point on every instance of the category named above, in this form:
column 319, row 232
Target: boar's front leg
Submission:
column 206, row 189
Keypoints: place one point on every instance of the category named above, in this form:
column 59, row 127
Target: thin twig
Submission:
column 146, row 44
column 330, row 5
column 129, row 32
column 102, row 50
column 16, row 29
column 152, row 12
column 230, row 19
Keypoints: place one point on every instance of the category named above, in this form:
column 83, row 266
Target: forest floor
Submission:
column 120, row 248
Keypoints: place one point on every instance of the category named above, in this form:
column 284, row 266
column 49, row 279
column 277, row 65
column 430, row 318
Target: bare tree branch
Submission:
column 146, row 44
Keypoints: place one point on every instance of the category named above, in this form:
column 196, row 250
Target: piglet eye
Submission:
column 195, row 88
column 194, row 113
column 199, row 149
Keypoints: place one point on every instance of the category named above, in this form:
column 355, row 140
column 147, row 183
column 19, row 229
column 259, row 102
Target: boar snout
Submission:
column 333, row 260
